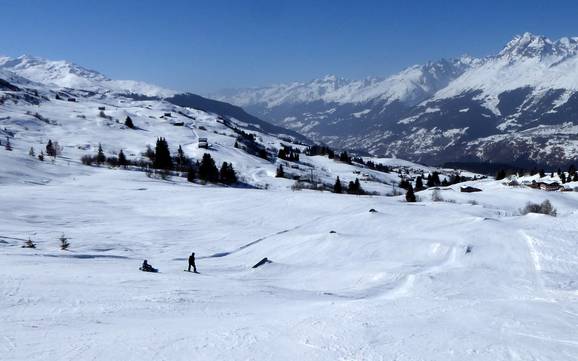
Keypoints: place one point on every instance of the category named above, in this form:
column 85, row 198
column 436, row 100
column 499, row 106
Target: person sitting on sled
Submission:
column 146, row 267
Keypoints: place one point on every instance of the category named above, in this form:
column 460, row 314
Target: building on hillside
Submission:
column 545, row 186
column 203, row 143
column 469, row 189
column 550, row 187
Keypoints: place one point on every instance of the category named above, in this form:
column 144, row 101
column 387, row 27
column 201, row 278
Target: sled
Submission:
column 153, row 270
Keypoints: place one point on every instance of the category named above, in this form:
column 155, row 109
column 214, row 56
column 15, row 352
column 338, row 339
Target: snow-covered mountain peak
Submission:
column 58, row 72
column 330, row 82
column 411, row 85
column 64, row 74
column 529, row 45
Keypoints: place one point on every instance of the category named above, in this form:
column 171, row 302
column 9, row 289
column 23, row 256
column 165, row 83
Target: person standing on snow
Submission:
column 192, row 263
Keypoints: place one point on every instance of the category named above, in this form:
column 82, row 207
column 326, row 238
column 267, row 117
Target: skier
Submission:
column 192, row 263
column 147, row 267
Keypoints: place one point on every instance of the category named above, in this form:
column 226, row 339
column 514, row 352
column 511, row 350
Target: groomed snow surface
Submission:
column 397, row 284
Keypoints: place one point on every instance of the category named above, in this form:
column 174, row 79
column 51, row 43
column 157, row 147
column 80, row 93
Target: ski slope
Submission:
column 397, row 284
column 468, row 278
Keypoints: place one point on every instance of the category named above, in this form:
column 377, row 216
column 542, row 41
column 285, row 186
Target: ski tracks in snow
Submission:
column 534, row 255
column 259, row 240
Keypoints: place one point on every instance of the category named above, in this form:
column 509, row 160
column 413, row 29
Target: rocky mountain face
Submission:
column 517, row 106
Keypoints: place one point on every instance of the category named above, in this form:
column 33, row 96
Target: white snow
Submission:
column 64, row 74
column 397, row 284
column 411, row 85
column 361, row 113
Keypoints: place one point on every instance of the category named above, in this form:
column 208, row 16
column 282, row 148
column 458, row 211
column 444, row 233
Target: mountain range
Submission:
column 519, row 105
column 59, row 75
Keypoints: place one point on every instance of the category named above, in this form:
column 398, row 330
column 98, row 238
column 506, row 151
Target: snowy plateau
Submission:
column 532, row 82
column 453, row 276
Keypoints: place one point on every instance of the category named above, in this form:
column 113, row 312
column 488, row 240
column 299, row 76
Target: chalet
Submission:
column 101, row 108
column 469, row 189
column 548, row 187
column 72, row 99
column 203, row 143
column 167, row 114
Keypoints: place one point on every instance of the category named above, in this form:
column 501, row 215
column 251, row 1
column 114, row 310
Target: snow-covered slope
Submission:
column 80, row 120
column 466, row 279
column 463, row 109
column 68, row 75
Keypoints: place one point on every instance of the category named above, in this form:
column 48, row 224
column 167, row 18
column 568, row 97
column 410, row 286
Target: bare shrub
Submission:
column 88, row 159
column 543, row 208
column 64, row 244
column 29, row 244
column 436, row 196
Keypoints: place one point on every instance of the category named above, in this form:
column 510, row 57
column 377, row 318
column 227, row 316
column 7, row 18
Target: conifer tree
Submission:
column 355, row 187
column 227, row 174
column 150, row 153
column 122, row 159
column 162, row 155
column 563, row 177
column 410, row 195
column 31, row 152
column 100, row 157
column 50, row 150
column 208, row 171
column 404, row 183
column 281, row 154
column 436, row 178
column 41, row 156
column 181, row 159
column 358, row 186
column 418, row 184
column 280, row 171
column 263, row 154
column 8, row 146
column 337, row 188
column 128, row 122
column 191, row 174
column 344, row 157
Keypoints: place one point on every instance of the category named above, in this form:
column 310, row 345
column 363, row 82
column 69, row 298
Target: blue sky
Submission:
column 207, row 45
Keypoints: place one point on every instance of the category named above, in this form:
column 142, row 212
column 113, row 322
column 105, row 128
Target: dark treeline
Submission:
column 249, row 144
column 569, row 175
column 289, row 153
column 373, row 166
column 160, row 159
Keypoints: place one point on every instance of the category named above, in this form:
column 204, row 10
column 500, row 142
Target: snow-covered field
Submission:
column 467, row 278
column 392, row 285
